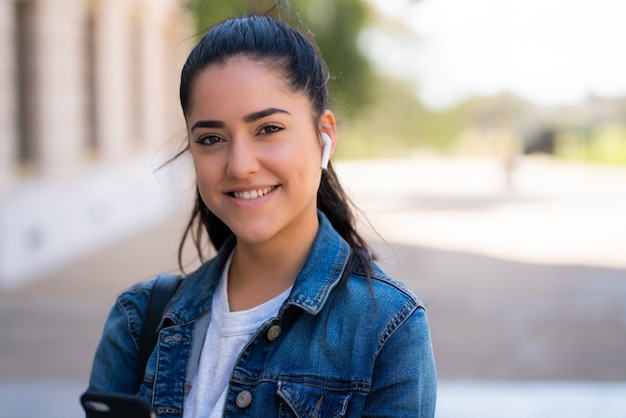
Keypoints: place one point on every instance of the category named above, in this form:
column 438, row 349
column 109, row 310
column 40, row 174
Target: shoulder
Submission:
column 383, row 289
column 379, row 304
column 130, row 306
column 136, row 297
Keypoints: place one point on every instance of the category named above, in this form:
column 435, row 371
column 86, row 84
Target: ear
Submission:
column 327, row 125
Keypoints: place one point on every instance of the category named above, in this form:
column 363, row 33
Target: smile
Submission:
column 253, row 194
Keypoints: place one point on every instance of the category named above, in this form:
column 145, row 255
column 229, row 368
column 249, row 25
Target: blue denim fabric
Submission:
column 359, row 348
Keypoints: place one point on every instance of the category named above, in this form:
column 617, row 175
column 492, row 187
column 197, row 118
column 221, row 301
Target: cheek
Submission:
column 305, row 153
column 307, row 168
column 303, row 163
column 207, row 172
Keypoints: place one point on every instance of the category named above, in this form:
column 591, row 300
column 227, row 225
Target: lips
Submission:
column 253, row 194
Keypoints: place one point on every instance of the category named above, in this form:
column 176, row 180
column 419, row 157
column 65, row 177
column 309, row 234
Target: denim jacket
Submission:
column 337, row 348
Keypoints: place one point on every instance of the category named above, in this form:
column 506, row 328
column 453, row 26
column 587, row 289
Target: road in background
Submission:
column 524, row 285
column 523, row 279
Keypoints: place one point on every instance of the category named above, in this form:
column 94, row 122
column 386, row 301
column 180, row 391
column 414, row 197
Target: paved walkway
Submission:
column 522, row 281
column 550, row 213
column 57, row 398
column 522, row 284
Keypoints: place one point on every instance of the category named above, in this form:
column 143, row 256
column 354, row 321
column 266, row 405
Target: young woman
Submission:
column 292, row 317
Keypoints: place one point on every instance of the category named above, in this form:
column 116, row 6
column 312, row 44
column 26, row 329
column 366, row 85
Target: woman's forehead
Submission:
column 243, row 85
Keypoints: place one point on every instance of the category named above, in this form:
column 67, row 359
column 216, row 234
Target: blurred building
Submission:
column 88, row 101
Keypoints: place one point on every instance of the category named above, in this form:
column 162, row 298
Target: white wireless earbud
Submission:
column 326, row 151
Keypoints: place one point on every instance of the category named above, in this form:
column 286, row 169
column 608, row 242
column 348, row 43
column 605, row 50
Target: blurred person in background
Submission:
column 292, row 317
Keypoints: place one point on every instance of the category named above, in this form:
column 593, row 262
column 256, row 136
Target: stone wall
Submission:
column 88, row 109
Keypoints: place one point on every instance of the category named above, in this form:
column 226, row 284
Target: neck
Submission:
column 260, row 272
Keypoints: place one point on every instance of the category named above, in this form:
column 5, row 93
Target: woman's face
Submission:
column 256, row 150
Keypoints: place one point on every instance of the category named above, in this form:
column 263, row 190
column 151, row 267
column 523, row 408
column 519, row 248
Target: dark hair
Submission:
column 279, row 45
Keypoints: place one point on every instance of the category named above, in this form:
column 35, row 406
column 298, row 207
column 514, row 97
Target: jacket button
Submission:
column 244, row 399
column 274, row 332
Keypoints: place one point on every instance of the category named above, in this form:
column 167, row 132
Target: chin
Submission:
column 252, row 234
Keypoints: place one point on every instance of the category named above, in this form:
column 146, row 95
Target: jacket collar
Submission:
column 321, row 273
column 322, row 270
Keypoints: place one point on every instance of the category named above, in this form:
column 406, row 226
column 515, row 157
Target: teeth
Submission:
column 253, row 194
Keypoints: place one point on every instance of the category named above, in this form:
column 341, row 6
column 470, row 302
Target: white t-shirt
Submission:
column 228, row 333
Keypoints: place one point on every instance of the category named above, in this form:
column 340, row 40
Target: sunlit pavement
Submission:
column 548, row 212
column 524, row 284
column 57, row 398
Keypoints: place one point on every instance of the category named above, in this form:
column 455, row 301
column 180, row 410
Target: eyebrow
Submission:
column 207, row 124
column 252, row 117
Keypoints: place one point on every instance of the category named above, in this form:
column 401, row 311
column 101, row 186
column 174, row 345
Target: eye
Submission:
column 208, row 139
column 270, row 129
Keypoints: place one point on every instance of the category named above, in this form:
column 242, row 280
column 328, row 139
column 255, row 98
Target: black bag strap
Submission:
column 164, row 288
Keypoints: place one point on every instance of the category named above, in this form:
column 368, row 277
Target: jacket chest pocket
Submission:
column 307, row 401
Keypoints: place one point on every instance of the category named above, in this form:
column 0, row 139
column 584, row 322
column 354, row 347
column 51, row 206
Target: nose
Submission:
column 242, row 158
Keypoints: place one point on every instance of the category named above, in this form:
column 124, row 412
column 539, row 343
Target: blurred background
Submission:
column 484, row 142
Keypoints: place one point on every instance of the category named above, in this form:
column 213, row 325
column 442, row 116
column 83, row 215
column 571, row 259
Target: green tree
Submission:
column 336, row 25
